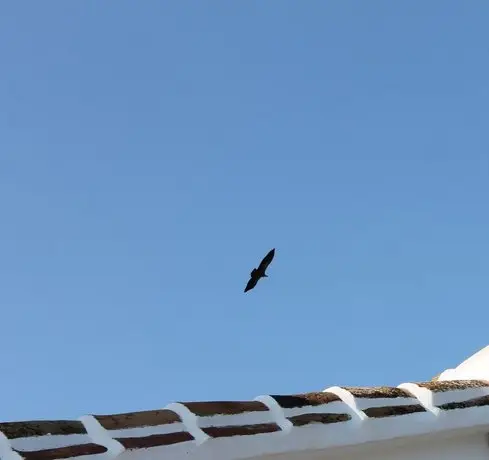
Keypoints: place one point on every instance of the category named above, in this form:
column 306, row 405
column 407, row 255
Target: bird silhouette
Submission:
column 259, row 272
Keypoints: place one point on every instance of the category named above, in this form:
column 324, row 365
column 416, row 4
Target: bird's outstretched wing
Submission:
column 266, row 261
column 251, row 283
column 259, row 272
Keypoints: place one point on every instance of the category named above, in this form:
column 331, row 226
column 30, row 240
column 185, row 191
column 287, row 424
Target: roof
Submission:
column 271, row 424
column 337, row 416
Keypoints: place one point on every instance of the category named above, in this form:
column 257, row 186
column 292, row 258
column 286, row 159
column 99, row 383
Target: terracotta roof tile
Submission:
column 476, row 402
column 204, row 409
column 63, row 452
column 389, row 411
column 305, row 399
column 219, row 419
column 377, row 392
column 14, row 430
column 155, row 440
column 50, row 439
column 313, row 408
column 140, row 430
column 306, row 419
column 439, row 386
column 241, row 430
column 137, row 419
column 380, row 402
column 458, row 394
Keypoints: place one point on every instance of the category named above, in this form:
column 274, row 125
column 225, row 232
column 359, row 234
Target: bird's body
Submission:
column 259, row 272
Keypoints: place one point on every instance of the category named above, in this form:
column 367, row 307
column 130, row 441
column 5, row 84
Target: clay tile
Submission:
column 440, row 386
column 63, row 452
column 305, row 399
column 137, row 419
column 210, row 408
column 29, row 429
column 377, row 392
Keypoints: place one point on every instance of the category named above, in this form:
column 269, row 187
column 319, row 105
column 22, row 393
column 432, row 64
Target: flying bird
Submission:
column 259, row 272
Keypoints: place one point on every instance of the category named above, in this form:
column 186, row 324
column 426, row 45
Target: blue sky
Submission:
column 152, row 152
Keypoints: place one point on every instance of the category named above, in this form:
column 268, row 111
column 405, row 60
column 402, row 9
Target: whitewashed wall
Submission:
column 459, row 445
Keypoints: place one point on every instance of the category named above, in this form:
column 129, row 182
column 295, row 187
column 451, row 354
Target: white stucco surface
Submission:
column 457, row 445
column 475, row 367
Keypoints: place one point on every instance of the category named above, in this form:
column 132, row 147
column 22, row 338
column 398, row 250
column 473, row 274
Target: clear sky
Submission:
column 152, row 152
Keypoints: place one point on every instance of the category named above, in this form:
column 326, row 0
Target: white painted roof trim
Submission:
column 358, row 430
column 322, row 437
column 317, row 436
